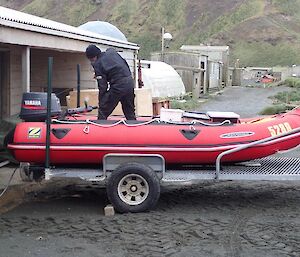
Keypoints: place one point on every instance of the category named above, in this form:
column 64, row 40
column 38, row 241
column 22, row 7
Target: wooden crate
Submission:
column 157, row 104
column 89, row 95
column 143, row 101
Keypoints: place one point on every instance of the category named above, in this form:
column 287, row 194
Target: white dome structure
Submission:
column 103, row 28
column 162, row 79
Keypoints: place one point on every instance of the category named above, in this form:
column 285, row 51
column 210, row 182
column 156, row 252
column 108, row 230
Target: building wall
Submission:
column 252, row 76
column 180, row 60
column 62, row 44
column 287, row 72
column 204, row 74
column 223, row 57
column 214, row 53
column 15, row 78
column 215, row 75
column 231, row 77
column 21, row 37
column 64, row 70
column 186, row 60
column 4, row 83
column 64, row 73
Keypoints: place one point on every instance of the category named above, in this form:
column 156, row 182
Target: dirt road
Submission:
column 246, row 101
column 210, row 219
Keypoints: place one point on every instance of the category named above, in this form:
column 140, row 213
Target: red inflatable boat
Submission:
column 196, row 140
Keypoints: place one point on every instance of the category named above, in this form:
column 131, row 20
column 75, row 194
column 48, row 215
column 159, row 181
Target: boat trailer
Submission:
column 133, row 181
column 268, row 168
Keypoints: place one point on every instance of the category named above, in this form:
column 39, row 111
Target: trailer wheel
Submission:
column 133, row 187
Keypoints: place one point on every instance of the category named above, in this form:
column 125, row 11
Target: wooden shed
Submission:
column 26, row 42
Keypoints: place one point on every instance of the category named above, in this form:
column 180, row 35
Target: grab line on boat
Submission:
column 193, row 122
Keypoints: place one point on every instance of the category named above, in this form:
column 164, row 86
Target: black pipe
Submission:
column 78, row 85
column 48, row 121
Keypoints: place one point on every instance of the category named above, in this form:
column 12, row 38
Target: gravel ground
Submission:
column 209, row 219
column 246, row 101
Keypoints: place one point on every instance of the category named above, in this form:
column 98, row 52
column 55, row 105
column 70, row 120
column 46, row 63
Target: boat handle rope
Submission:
column 104, row 126
column 121, row 121
column 193, row 122
column 192, row 127
column 211, row 124
column 68, row 122
column 295, row 108
column 86, row 129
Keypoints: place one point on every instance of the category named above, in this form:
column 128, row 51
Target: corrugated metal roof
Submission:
column 204, row 48
column 17, row 17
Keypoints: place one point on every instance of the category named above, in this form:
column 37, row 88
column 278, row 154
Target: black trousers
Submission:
column 108, row 100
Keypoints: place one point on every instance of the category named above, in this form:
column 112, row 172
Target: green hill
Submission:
column 259, row 32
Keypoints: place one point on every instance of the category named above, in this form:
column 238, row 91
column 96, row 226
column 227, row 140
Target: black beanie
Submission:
column 92, row 51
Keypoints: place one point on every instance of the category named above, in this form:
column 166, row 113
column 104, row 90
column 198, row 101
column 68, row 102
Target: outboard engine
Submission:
column 34, row 106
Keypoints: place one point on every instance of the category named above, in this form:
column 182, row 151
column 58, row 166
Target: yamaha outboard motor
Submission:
column 34, row 106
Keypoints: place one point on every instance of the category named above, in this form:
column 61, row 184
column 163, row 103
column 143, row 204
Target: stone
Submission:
column 109, row 210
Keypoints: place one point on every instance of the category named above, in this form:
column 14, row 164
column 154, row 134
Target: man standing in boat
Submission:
column 114, row 82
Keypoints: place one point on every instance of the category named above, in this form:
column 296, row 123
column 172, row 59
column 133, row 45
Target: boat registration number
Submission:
column 278, row 129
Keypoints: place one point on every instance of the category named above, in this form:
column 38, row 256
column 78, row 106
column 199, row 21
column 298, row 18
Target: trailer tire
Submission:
column 133, row 187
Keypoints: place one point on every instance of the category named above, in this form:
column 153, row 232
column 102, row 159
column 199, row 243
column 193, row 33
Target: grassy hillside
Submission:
column 259, row 32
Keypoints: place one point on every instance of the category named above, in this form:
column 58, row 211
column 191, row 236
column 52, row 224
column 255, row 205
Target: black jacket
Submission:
column 111, row 67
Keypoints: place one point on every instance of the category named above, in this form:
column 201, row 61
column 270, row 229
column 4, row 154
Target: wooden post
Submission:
column 26, row 69
column 48, row 122
column 162, row 44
